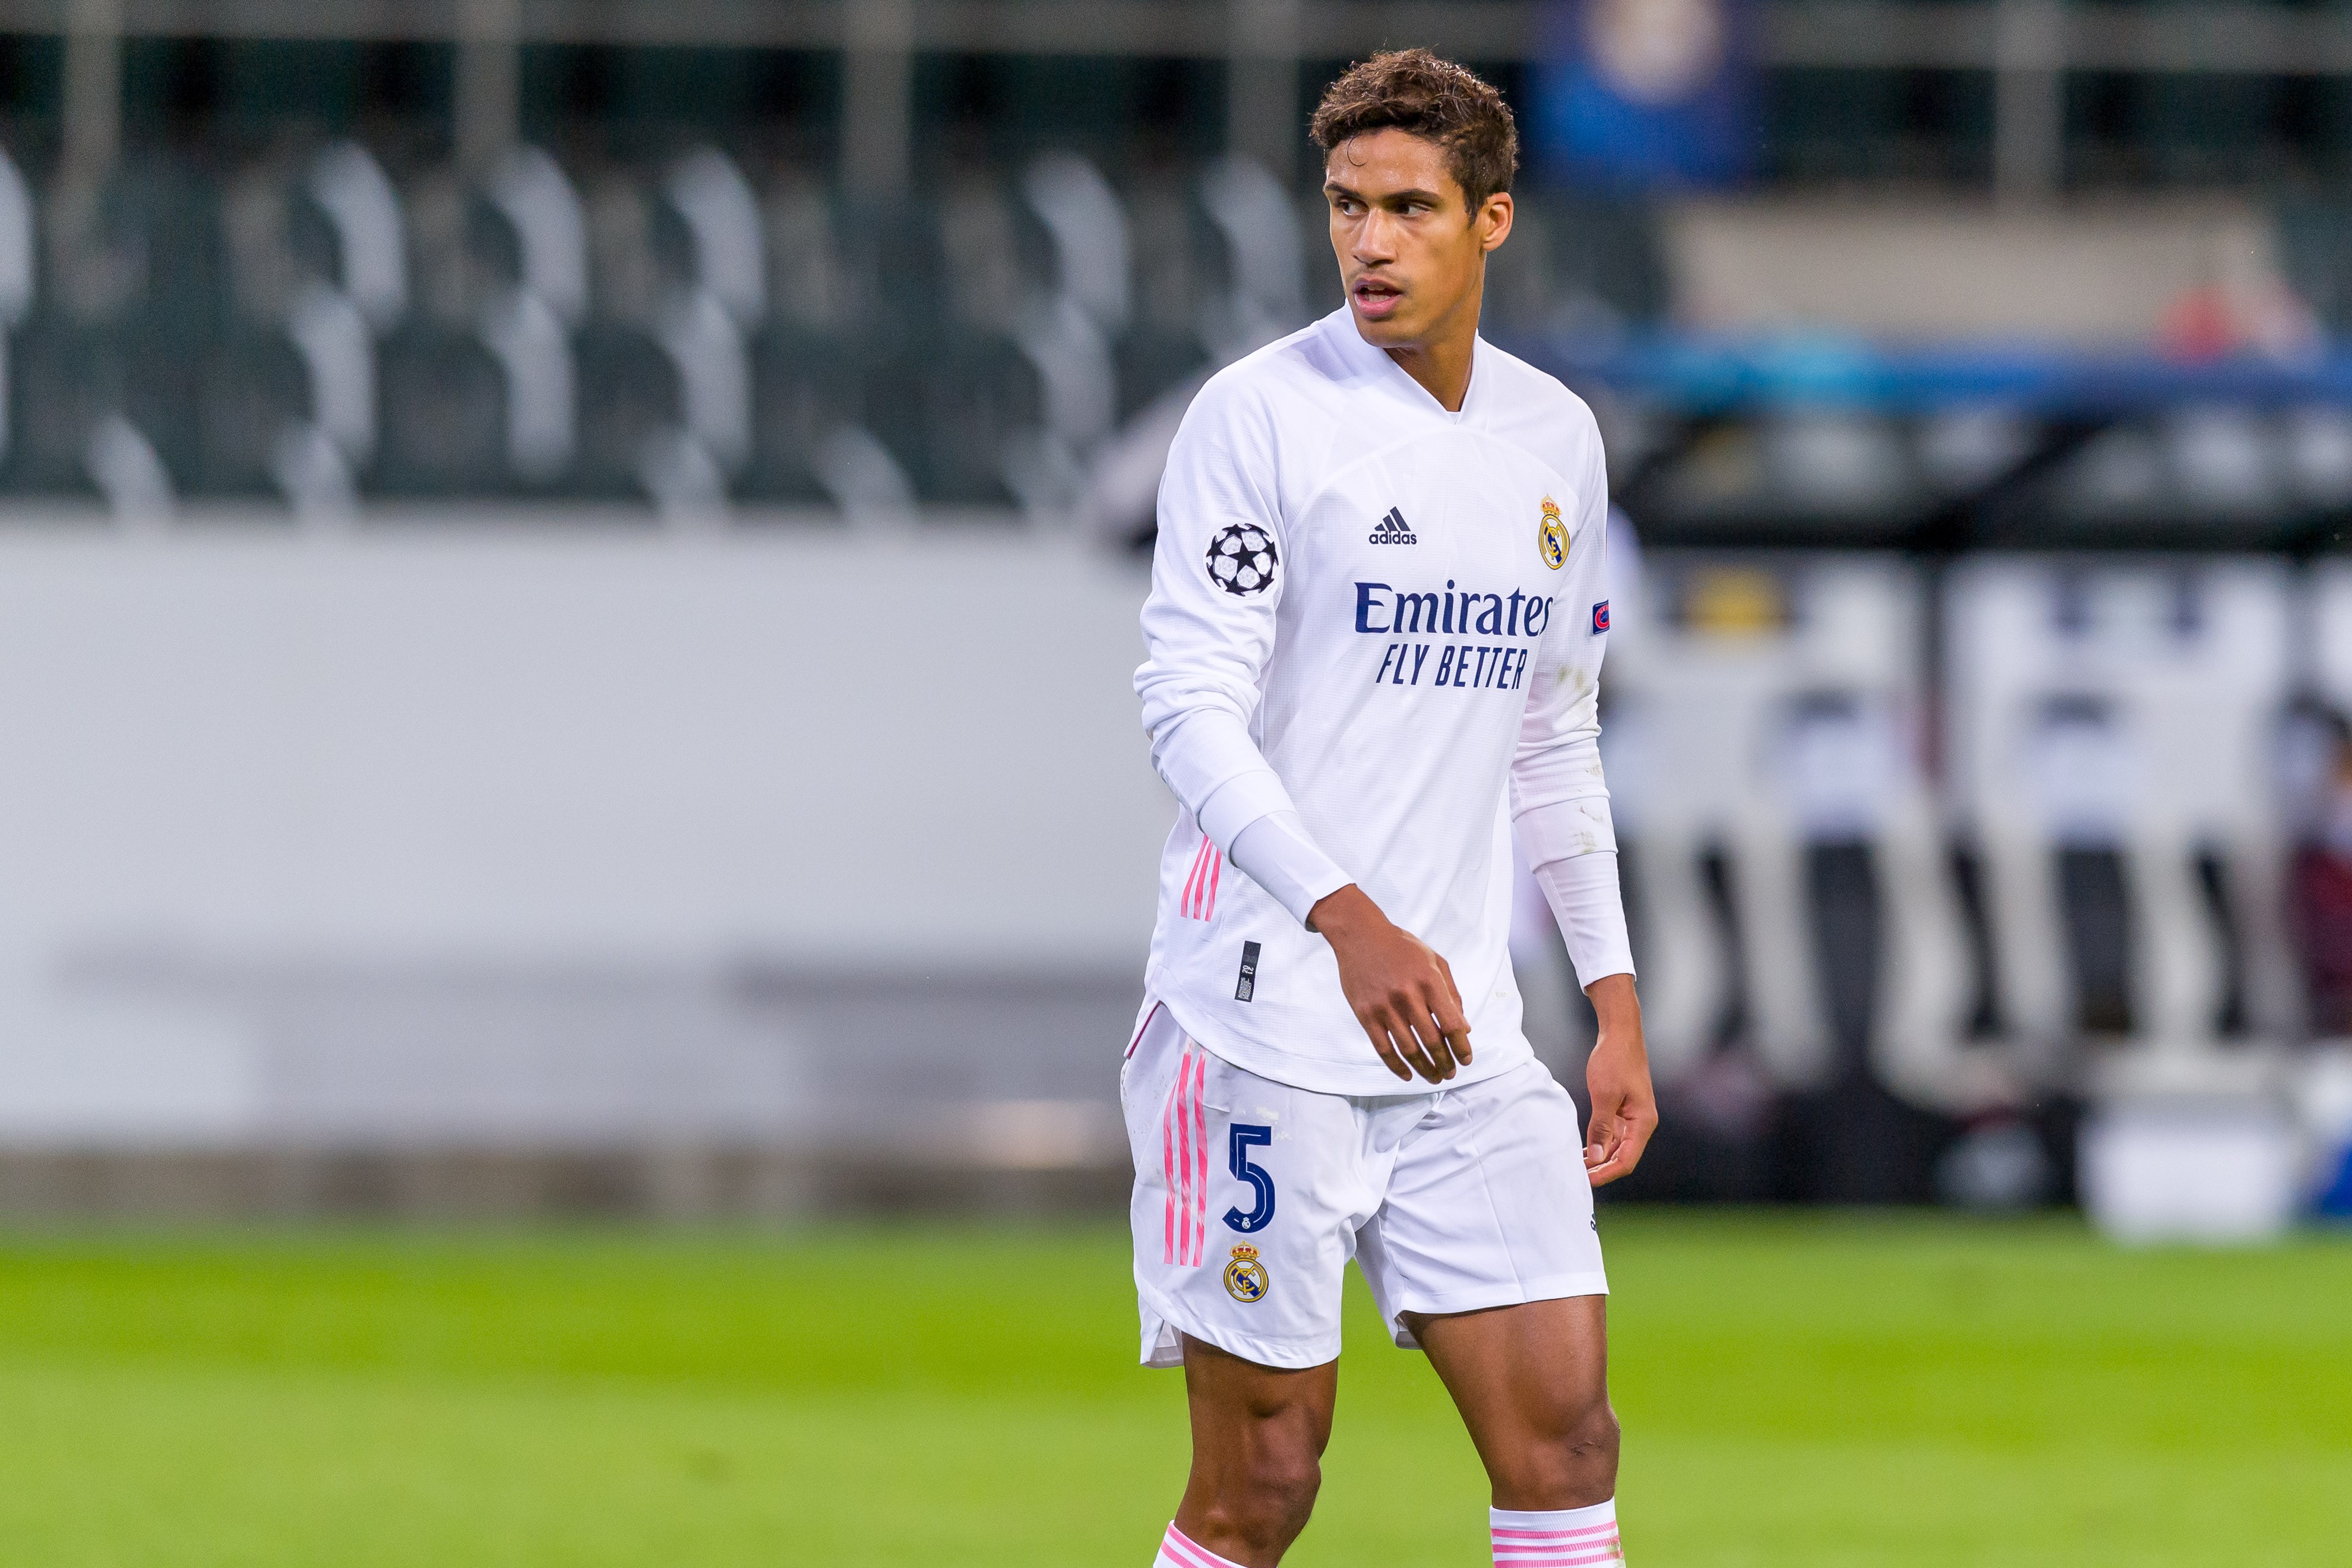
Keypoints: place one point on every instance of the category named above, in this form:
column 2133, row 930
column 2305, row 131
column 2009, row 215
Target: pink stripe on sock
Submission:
column 1182, row 1548
column 1558, row 1556
column 1512, row 1532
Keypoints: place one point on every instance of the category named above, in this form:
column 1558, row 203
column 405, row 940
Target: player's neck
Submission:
column 1441, row 360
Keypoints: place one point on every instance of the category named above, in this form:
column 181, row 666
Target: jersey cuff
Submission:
column 1240, row 801
column 1585, row 900
column 1564, row 829
column 1276, row 853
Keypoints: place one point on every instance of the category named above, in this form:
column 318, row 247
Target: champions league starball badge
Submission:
column 1242, row 559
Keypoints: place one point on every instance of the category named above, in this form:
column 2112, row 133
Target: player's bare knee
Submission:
column 1270, row 1501
column 1563, row 1460
column 1288, row 1488
column 1593, row 1433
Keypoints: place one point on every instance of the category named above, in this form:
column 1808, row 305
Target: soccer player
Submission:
column 1374, row 638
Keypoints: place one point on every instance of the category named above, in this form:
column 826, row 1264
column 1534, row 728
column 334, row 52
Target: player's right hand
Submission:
column 1399, row 989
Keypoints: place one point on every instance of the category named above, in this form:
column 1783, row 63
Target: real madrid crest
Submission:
column 1551, row 536
column 1245, row 1278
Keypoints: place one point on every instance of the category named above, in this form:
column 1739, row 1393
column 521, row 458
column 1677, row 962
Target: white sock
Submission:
column 1559, row 1537
column 1178, row 1550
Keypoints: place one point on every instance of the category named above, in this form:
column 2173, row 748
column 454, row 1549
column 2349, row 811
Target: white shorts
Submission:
column 1251, row 1195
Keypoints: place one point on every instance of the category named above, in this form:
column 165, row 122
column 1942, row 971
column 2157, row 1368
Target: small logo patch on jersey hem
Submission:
column 1246, row 1280
column 1600, row 617
column 1551, row 536
column 1394, row 530
column 1246, row 985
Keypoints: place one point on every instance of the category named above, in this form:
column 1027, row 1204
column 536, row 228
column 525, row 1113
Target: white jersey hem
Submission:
column 1370, row 1080
column 1265, row 1351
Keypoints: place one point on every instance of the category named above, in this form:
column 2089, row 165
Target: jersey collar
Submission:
column 1377, row 369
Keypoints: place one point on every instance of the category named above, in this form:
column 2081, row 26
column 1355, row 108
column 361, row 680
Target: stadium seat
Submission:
column 809, row 443
column 255, row 406
column 965, row 417
column 535, row 228
column 506, row 265
column 631, row 404
column 131, row 282
column 445, row 399
column 809, row 286
column 361, row 231
column 1175, row 275
column 719, row 218
column 891, row 264
column 63, row 380
column 317, row 270
column 664, row 383
column 1265, row 265
column 806, row 394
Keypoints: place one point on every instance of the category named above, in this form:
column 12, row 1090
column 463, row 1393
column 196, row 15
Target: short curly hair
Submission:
column 1417, row 92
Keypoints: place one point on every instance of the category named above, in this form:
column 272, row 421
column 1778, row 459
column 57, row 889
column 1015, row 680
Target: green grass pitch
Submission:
column 1795, row 1390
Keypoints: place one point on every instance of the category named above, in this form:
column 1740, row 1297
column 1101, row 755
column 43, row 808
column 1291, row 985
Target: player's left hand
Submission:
column 1624, row 1106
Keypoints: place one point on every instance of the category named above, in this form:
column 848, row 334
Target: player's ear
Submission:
column 1494, row 215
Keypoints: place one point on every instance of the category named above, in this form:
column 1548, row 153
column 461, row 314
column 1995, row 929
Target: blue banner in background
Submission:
column 1644, row 94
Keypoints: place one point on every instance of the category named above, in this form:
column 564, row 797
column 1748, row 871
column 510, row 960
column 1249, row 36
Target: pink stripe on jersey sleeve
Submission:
column 1216, row 864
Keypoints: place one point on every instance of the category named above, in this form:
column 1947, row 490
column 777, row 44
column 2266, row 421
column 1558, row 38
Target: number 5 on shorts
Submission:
column 1244, row 1139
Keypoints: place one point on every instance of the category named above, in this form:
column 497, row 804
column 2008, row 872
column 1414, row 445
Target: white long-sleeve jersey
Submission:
column 1389, row 619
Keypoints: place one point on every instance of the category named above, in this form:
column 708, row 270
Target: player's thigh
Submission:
column 1532, row 1373
column 1487, row 1205
column 1248, row 1194
column 1251, row 1419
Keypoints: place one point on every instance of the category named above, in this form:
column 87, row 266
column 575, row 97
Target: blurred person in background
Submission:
column 2321, row 890
column 1375, row 633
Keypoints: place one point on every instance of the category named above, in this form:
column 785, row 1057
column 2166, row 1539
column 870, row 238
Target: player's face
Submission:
column 1412, row 254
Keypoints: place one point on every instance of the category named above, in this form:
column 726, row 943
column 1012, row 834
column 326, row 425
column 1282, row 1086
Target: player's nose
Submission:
column 1374, row 241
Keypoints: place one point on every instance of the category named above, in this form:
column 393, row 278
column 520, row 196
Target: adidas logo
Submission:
column 1392, row 529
